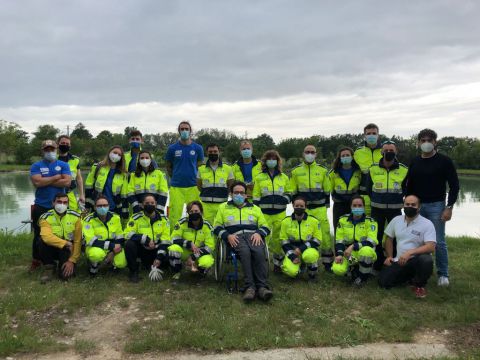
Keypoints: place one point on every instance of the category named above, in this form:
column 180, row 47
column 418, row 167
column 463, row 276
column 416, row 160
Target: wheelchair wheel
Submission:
column 220, row 258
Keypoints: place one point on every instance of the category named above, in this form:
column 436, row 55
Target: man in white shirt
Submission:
column 416, row 240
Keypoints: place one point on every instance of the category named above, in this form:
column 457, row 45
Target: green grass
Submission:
column 468, row 172
column 13, row 167
column 206, row 318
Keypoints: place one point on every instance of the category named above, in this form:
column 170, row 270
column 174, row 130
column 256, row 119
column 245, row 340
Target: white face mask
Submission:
column 145, row 162
column 60, row 208
column 114, row 157
column 309, row 158
column 427, row 147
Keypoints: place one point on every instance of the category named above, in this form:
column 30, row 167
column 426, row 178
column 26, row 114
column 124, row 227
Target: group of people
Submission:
column 119, row 215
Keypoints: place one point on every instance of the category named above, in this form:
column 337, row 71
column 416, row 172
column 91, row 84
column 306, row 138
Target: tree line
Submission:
column 17, row 147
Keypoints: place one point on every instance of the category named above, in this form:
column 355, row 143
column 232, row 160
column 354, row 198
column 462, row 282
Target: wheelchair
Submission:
column 227, row 263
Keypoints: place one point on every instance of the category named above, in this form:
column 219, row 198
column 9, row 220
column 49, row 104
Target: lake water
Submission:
column 17, row 194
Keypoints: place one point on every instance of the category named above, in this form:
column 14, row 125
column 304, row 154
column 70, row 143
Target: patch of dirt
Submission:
column 429, row 336
column 463, row 338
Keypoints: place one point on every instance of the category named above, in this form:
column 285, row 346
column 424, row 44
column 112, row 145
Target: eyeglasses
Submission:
column 310, row 152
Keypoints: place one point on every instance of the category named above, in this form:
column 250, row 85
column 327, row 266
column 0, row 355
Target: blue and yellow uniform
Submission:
column 365, row 157
column 153, row 183
column 247, row 172
column 74, row 162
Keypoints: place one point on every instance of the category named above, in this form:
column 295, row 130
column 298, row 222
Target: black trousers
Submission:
column 134, row 250
column 339, row 209
column 50, row 255
column 418, row 270
column 37, row 211
column 253, row 260
column 382, row 216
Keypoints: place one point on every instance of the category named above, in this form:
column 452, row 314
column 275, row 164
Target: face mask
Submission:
column 427, row 147
column 246, row 153
column 213, row 157
column 60, row 208
column 271, row 164
column 309, row 158
column 102, row 210
column 410, row 211
column 238, row 199
column 195, row 216
column 299, row 211
column 358, row 211
column 145, row 162
column 50, row 156
column 371, row 139
column 389, row 156
column 184, row 134
column 114, row 157
column 149, row 208
column 135, row 144
column 64, row 148
column 346, row 160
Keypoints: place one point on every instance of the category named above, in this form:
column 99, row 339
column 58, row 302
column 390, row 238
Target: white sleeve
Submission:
column 390, row 230
column 430, row 235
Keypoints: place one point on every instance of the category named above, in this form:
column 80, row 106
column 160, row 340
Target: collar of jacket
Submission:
column 220, row 163
column 305, row 216
column 354, row 222
column 395, row 164
column 254, row 161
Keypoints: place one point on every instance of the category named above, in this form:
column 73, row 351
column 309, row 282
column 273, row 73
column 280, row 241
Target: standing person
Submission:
column 271, row 192
column 386, row 187
column 183, row 159
column 247, row 167
column 311, row 181
column 367, row 155
column 355, row 242
column 104, row 239
column 345, row 178
column 49, row 176
column 109, row 178
column 213, row 181
column 64, row 146
column 428, row 175
column 132, row 157
column 415, row 236
column 243, row 226
column 61, row 234
column 147, row 180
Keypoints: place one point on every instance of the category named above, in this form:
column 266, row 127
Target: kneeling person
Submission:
column 148, row 238
column 193, row 237
column 103, row 235
column 301, row 236
column 355, row 242
column 61, row 235
column 416, row 240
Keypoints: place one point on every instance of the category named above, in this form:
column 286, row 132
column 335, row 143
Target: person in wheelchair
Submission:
column 192, row 236
column 243, row 226
column 355, row 242
column 300, row 236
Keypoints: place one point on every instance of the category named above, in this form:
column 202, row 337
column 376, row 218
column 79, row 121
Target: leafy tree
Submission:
column 81, row 132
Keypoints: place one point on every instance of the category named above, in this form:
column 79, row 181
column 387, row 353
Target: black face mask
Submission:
column 389, row 156
column 410, row 211
column 213, row 157
column 149, row 208
column 195, row 216
column 299, row 211
column 64, row 148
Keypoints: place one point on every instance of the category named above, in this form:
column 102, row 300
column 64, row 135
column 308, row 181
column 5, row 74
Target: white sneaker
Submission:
column 443, row 281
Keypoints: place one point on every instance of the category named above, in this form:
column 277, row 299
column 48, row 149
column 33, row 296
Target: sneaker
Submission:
column 264, row 294
column 93, row 271
column 358, row 282
column 249, row 295
column 420, row 293
column 34, row 265
column 133, row 277
column 443, row 281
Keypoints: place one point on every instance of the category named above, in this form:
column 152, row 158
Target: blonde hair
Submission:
column 119, row 166
column 245, row 142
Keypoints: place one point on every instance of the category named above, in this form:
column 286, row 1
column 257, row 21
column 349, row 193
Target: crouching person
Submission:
column 103, row 236
column 301, row 236
column 61, row 235
column 243, row 226
column 416, row 240
column 355, row 242
column 192, row 236
column 148, row 238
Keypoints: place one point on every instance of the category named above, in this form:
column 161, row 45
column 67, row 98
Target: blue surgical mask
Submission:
column 346, row 160
column 102, row 211
column 358, row 211
column 184, row 134
column 135, row 144
column 371, row 139
column 238, row 199
column 50, row 156
column 271, row 164
column 246, row 153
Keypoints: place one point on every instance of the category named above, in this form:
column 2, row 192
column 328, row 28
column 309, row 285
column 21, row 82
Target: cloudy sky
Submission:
column 287, row 68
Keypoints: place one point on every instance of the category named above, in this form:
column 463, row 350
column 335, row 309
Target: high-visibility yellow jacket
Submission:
column 360, row 233
column 387, row 186
column 303, row 234
column 366, row 157
column 237, row 169
column 214, row 182
column 312, row 182
column 185, row 234
column 104, row 235
column 341, row 191
column 272, row 195
column 154, row 183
